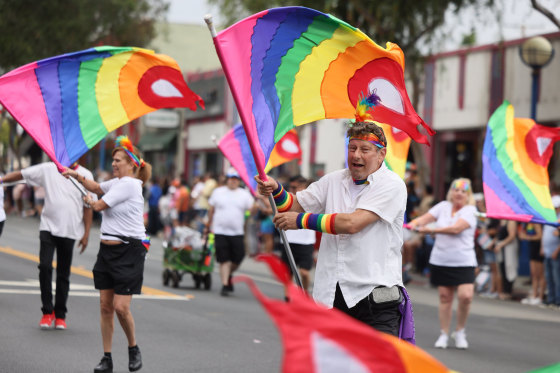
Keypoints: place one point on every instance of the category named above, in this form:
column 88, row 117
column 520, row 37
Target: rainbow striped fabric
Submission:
column 235, row 147
column 398, row 144
column 514, row 168
column 68, row 103
column 294, row 65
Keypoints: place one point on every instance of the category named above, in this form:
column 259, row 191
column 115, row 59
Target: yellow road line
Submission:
column 86, row 273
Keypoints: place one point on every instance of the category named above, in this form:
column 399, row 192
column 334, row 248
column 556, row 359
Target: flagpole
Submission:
column 258, row 160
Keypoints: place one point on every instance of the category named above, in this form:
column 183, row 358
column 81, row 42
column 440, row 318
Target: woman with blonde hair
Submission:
column 453, row 258
column 119, row 269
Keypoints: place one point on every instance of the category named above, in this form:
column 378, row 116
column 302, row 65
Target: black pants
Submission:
column 64, row 248
column 385, row 318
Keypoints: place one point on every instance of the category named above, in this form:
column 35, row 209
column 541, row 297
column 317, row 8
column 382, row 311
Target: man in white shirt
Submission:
column 226, row 219
column 360, row 211
column 64, row 220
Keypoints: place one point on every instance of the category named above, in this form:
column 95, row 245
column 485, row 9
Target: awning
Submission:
column 156, row 141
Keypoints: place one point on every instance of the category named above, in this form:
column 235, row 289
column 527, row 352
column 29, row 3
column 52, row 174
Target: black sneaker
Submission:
column 134, row 359
column 224, row 292
column 104, row 366
column 229, row 285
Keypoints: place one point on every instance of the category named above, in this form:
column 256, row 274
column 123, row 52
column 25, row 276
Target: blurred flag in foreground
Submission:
column 317, row 339
column 515, row 168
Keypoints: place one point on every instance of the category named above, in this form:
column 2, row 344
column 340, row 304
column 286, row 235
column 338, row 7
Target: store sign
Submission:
column 162, row 119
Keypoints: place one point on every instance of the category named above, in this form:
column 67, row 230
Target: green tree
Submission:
column 410, row 24
column 31, row 30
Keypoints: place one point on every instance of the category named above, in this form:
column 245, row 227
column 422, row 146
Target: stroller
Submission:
column 187, row 252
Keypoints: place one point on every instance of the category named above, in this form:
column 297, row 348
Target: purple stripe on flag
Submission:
column 47, row 77
column 263, row 34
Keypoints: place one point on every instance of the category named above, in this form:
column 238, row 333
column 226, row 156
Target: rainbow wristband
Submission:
column 317, row 222
column 282, row 199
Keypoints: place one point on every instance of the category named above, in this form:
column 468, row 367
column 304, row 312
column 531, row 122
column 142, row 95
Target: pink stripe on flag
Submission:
column 23, row 86
column 500, row 209
column 238, row 74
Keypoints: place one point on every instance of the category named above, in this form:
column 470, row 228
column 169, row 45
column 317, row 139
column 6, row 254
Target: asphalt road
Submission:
column 190, row 330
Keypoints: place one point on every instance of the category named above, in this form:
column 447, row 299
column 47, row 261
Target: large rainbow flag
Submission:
column 514, row 168
column 68, row 103
column 235, row 147
column 317, row 339
column 291, row 66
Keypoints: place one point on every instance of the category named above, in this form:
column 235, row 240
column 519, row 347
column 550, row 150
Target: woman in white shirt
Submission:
column 453, row 258
column 118, row 271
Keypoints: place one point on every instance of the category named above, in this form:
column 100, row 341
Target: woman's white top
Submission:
column 125, row 215
column 454, row 250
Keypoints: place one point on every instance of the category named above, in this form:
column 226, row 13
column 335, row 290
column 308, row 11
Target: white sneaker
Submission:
column 535, row 301
column 460, row 339
column 442, row 341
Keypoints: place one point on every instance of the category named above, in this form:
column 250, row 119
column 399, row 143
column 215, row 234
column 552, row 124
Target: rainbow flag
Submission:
column 68, row 103
column 285, row 150
column 398, row 144
column 514, row 168
column 235, row 147
column 294, row 65
column 317, row 339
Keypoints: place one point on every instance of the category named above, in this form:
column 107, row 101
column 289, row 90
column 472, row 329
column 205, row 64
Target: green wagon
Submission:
column 186, row 252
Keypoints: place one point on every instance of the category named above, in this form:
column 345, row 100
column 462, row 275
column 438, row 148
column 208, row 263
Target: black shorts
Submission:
column 451, row 276
column 303, row 255
column 120, row 267
column 384, row 317
column 229, row 248
column 535, row 251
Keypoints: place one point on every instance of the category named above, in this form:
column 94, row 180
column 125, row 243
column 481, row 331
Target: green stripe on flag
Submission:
column 322, row 28
column 91, row 124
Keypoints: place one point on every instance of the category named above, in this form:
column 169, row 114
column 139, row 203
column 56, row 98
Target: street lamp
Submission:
column 536, row 53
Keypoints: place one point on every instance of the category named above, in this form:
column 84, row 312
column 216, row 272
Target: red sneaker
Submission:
column 60, row 324
column 47, row 321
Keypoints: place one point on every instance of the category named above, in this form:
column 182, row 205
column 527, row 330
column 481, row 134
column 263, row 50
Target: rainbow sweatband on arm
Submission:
column 282, row 199
column 317, row 222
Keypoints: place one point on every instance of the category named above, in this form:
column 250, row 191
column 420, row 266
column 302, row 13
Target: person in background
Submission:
column 154, row 222
column 64, row 219
column 266, row 226
column 302, row 241
column 183, row 202
column 551, row 253
column 453, row 259
column 119, row 270
column 226, row 219
column 2, row 211
column 506, row 248
column 530, row 234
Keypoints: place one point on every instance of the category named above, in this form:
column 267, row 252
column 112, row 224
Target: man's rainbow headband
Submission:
column 370, row 137
column 461, row 184
column 125, row 144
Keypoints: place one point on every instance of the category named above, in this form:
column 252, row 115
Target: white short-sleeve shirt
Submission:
column 229, row 210
column 63, row 211
column 454, row 250
column 125, row 215
column 372, row 257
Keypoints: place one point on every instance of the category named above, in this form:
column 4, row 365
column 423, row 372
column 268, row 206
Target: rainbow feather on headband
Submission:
column 125, row 144
column 365, row 104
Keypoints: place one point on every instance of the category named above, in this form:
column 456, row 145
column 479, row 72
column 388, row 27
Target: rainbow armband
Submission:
column 282, row 199
column 317, row 222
